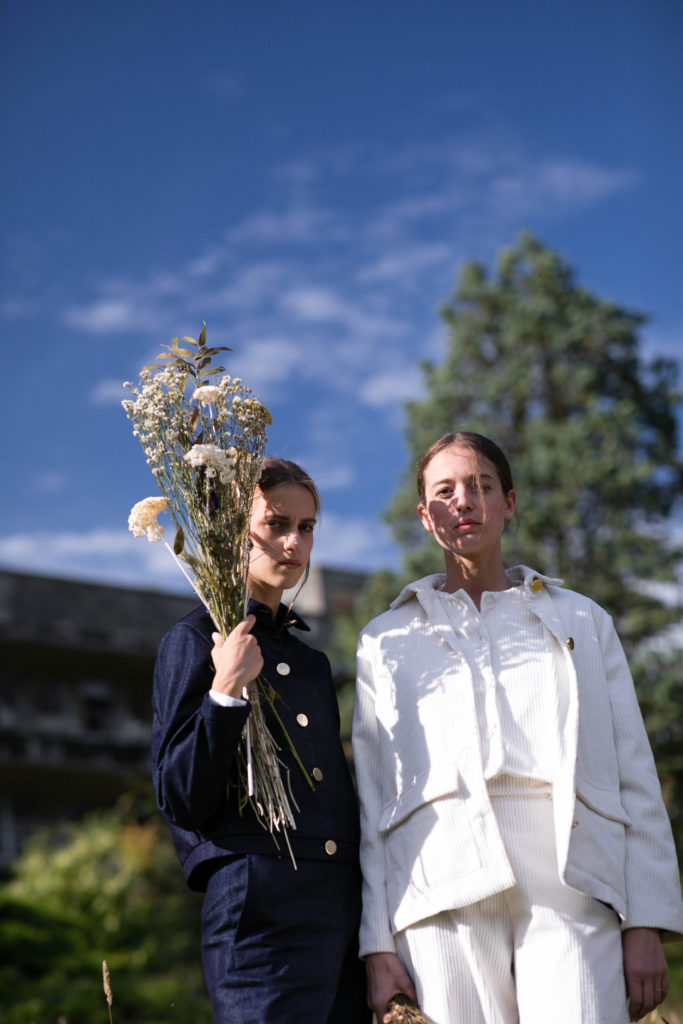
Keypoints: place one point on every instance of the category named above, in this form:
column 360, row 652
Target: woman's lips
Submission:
column 466, row 524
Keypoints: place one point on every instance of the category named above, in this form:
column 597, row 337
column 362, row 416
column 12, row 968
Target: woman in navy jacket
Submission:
column 278, row 943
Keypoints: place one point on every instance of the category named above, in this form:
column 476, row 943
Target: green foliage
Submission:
column 555, row 376
column 107, row 889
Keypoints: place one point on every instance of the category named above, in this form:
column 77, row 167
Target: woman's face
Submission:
column 282, row 522
column 464, row 505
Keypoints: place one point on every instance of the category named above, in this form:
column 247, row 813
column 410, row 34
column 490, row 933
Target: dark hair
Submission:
column 476, row 443
column 280, row 471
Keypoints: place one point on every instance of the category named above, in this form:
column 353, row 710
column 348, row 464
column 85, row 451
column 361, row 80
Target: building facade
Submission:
column 76, row 663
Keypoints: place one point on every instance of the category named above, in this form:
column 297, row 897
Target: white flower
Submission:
column 216, row 461
column 206, row 394
column 142, row 520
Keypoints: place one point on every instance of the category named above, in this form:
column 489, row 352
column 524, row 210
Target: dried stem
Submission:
column 106, row 980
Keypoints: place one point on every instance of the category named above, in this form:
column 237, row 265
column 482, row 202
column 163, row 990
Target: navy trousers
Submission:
column 280, row 946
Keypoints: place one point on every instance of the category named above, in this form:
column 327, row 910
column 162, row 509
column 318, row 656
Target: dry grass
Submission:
column 663, row 1016
column 106, row 981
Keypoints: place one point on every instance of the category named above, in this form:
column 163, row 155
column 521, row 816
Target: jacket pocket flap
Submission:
column 605, row 802
column 431, row 785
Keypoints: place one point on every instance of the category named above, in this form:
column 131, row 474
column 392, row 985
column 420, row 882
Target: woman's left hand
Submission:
column 645, row 970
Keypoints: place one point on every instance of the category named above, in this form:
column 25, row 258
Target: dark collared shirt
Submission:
column 195, row 740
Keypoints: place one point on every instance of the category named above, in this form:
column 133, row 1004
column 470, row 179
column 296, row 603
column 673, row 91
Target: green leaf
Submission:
column 179, row 541
column 201, row 342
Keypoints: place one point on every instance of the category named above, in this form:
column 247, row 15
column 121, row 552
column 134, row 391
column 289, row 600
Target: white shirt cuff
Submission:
column 225, row 700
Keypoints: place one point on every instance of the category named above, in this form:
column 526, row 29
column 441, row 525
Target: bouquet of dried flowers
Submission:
column 402, row 1010
column 203, row 436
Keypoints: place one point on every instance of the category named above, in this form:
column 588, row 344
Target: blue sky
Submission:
column 307, row 178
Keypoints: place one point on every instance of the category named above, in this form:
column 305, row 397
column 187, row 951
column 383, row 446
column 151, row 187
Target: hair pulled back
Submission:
column 476, row 443
column 281, row 471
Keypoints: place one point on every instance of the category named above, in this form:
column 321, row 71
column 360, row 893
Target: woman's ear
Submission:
column 425, row 518
column 510, row 504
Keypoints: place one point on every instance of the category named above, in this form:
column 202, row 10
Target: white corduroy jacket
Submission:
column 430, row 841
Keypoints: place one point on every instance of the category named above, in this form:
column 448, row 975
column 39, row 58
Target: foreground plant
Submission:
column 106, row 981
column 203, row 434
column 402, row 1010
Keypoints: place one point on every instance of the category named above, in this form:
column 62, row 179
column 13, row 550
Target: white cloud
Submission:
column 329, row 474
column 298, row 224
column 108, row 392
column 115, row 556
column 353, row 543
column 251, row 286
column 551, row 187
column 393, row 386
column 51, row 482
column 406, row 265
column 263, row 361
column 325, row 305
column 100, row 554
column 103, row 315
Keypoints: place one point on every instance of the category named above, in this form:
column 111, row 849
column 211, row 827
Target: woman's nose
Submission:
column 462, row 498
column 291, row 541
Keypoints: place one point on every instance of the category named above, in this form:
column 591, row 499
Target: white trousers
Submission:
column 538, row 952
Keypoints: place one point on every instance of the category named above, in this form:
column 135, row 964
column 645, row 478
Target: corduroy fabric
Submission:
column 510, row 654
column 536, row 952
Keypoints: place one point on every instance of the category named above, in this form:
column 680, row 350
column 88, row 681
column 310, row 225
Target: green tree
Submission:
column 556, row 376
column 109, row 889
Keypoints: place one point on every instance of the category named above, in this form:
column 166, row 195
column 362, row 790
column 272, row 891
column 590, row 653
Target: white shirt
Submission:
column 509, row 652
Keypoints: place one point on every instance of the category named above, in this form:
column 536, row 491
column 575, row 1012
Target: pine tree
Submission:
column 556, row 376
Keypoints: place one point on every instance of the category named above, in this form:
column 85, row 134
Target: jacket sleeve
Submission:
column 653, row 891
column 375, row 930
column 194, row 740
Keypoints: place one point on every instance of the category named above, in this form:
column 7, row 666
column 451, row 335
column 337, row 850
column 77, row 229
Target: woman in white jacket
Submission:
column 518, row 862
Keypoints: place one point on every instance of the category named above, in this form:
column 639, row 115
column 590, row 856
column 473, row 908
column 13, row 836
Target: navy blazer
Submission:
column 194, row 742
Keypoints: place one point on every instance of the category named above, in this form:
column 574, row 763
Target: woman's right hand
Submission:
column 386, row 978
column 237, row 658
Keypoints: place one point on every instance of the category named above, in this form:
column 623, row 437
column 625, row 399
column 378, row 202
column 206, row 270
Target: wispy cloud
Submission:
column 552, row 187
column 353, row 543
column 407, row 265
column 108, row 392
column 118, row 557
column 114, row 555
column 51, row 482
column 395, row 384
column 296, row 225
column 344, row 296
